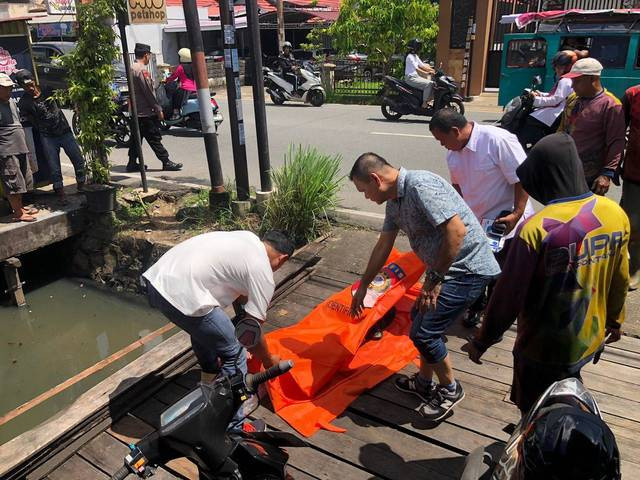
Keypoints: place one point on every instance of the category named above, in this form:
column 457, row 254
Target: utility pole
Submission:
column 280, row 12
column 135, row 127
column 234, row 97
column 217, row 196
column 258, row 96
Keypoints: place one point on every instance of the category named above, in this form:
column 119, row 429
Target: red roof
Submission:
column 266, row 5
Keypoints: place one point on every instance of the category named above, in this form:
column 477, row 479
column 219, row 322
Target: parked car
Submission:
column 51, row 73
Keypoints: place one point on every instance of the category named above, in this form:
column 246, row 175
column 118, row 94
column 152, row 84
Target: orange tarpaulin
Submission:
column 333, row 362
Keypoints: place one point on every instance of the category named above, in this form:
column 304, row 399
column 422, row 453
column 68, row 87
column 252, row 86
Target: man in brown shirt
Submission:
column 630, row 201
column 595, row 119
column 149, row 112
column 15, row 172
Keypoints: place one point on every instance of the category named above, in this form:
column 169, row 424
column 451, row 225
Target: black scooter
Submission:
column 399, row 98
column 519, row 108
column 196, row 427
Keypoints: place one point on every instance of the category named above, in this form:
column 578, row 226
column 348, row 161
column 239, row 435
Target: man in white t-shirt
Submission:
column 482, row 161
column 194, row 281
column 417, row 73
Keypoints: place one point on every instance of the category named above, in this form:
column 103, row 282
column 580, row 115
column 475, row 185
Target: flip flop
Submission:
column 30, row 210
column 25, row 218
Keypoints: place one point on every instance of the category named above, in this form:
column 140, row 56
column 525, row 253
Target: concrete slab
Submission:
column 56, row 222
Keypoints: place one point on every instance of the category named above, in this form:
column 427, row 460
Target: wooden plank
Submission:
column 610, row 379
column 76, row 468
column 323, row 270
column 131, row 429
column 379, row 449
column 464, row 430
column 107, row 453
column 605, row 367
column 317, row 289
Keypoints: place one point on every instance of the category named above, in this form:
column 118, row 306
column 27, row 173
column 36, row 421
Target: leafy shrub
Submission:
column 306, row 187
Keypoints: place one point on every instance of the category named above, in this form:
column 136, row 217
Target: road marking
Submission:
column 402, row 134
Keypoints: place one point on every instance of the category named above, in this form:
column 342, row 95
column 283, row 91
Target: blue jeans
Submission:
column 51, row 147
column 213, row 336
column 456, row 295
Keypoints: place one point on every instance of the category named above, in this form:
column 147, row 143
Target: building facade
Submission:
column 470, row 39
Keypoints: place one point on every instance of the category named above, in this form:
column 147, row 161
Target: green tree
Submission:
column 90, row 73
column 381, row 28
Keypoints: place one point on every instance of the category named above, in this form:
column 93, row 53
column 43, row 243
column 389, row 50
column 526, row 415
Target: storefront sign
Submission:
column 142, row 12
column 61, row 7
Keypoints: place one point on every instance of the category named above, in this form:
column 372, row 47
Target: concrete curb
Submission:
column 357, row 218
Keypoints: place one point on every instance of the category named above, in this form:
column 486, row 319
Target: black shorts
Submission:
column 15, row 173
column 530, row 380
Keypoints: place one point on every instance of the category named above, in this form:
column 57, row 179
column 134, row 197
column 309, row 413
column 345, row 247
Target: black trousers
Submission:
column 149, row 131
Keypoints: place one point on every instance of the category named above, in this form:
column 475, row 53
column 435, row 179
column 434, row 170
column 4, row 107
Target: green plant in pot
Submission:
column 90, row 73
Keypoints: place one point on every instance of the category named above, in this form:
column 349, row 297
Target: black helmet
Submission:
column 568, row 443
column 414, row 44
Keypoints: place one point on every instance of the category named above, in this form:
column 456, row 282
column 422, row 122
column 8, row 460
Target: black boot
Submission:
column 170, row 166
column 134, row 167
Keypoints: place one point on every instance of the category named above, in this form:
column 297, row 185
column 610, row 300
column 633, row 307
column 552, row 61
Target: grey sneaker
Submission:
column 411, row 385
column 441, row 402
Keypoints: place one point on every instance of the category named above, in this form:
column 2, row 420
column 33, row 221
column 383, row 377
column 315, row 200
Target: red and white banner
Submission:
column 524, row 19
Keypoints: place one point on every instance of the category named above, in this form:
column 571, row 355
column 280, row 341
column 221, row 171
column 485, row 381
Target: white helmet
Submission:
column 185, row 55
column 287, row 44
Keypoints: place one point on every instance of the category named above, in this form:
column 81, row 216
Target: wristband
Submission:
column 433, row 277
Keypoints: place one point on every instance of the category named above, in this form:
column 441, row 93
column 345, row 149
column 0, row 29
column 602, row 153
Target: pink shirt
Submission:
column 185, row 82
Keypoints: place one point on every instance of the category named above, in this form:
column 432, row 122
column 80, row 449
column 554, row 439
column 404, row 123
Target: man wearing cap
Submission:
column 15, row 172
column 594, row 118
column 45, row 115
column 149, row 112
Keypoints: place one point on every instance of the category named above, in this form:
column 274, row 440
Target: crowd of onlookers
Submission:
column 563, row 273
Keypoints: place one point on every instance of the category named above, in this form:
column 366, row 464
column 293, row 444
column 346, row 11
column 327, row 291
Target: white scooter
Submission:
column 280, row 90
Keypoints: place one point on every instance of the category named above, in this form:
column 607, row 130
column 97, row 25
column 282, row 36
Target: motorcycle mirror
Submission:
column 248, row 332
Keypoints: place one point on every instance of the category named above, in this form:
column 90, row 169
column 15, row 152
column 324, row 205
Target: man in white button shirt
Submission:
column 482, row 161
column 194, row 281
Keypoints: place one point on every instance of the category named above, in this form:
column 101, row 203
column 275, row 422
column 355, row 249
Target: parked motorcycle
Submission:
column 519, row 108
column 189, row 115
column 400, row 98
column 119, row 126
column 309, row 89
column 197, row 427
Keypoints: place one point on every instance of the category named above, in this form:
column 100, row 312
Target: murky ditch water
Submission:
column 68, row 326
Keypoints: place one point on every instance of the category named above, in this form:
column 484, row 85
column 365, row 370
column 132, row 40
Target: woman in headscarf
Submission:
column 184, row 74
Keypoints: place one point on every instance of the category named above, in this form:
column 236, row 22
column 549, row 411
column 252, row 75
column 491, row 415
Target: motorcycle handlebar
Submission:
column 253, row 380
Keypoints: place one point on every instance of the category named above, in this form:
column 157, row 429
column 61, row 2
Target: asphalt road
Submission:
column 345, row 130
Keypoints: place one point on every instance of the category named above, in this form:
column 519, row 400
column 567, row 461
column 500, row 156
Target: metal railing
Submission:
column 356, row 78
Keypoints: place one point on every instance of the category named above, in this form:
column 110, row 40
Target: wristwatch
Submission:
column 433, row 277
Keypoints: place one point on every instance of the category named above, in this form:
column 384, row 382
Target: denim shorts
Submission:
column 456, row 295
